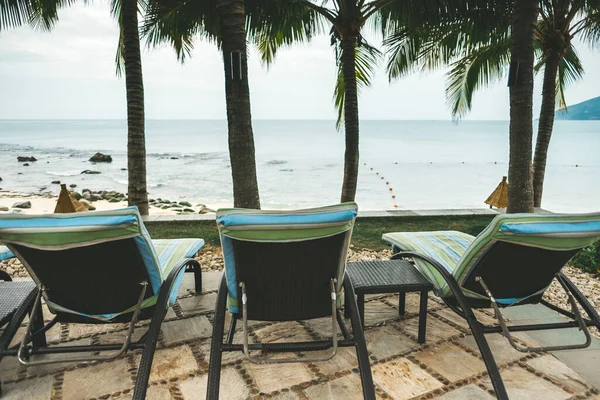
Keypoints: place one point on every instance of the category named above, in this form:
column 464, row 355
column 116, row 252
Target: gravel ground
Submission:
column 211, row 259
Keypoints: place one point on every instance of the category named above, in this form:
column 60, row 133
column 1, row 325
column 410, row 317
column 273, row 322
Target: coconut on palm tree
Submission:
column 44, row 14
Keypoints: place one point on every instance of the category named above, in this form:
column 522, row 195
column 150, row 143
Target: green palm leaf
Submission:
column 475, row 70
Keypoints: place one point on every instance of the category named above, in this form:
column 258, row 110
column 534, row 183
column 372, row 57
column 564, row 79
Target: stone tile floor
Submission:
column 447, row 367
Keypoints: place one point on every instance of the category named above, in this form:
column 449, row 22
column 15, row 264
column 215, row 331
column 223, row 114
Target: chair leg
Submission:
column 474, row 325
column 151, row 336
column 402, row 304
column 11, row 329
column 214, row 369
column 231, row 331
column 143, row 374
column 581, row 299
column 197, row 270
column 364, row 365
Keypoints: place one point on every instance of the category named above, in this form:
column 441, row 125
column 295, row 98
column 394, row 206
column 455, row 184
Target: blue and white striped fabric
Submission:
column 5, row 253
column 56, row 232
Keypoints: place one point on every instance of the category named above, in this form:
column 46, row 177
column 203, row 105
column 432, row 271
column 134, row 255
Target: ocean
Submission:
column 427, row 164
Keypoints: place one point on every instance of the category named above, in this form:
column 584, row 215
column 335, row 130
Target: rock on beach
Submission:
column 26, row 159
column 99, row 157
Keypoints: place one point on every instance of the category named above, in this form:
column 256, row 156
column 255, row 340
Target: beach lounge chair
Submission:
column 285, row 266
column 97, row 268
column 511, row 262
column 16, row 302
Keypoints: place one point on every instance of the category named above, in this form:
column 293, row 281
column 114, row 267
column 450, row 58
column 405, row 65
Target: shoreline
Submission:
column 46, row 202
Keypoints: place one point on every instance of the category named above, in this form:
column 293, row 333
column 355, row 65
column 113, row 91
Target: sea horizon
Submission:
column 427, row 164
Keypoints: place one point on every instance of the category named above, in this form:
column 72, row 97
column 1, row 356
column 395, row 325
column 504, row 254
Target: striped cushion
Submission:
column 172, row 251
column 57, row 232
column 559, row 232
column 282, row 227
column 5, row 253
column 446, row 247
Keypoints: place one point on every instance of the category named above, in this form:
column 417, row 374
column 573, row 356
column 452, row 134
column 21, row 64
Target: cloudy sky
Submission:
column 70, row 73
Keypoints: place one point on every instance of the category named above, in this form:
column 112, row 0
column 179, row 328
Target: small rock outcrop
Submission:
column 26, row 165
column 56, row 182
column 3, row 208
column 26, row 159
column 99, row 157
column 90, row 172
column 22, row 204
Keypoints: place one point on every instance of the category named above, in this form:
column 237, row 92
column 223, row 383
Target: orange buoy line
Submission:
column 391, row 190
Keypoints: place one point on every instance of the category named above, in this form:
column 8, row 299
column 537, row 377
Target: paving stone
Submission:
column 169, row 363
column 80, row 330
column 28, row 389
column 436, row 329
column 377, row 312
column 283, row 332
column 523, row 385
column 451, row 316
column 451, row 361
column 53, row 335
column 185, row 329
column 51, row 368
column 198, row 304
column 347, row 387
column 403, row 379
column 322, row 326
column 344, row 360
column 96, row 380
column 386, row 341
column 232, row 386
column 269, row 378
column 413, row 303
column 211, row 280
column 118, row 337
column 288, row 395
column 501, row 349
column 470, row 392
column 9, row 366
column 153, row 393
column 559, row 371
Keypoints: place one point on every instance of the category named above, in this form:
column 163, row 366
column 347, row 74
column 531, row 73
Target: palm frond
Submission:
column 177, row 22
column 570, row 70
column 477, row 69
column 272, row 24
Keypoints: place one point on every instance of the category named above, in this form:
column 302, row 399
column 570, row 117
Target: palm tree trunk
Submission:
column 232, row 18
column 350, row 118
column 520, row 188
column 546, row 124
column 136, row 143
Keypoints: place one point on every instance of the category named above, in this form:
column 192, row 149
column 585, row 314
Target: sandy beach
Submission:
column 43, row 204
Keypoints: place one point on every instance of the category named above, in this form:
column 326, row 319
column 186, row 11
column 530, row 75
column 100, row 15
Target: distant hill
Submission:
column 587, row 110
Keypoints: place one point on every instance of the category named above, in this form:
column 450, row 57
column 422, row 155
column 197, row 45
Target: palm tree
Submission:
column 222, row 22
column 356, row 59
column 484, row 61
column 137, row 193
column 43, row 14
column 555, row 33
column 520, row 189
column 232, row 23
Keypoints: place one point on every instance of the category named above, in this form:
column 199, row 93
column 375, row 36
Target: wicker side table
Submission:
column 390, row 276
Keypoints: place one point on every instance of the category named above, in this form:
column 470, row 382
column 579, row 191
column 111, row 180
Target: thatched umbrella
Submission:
column 67, row 203
column 499, row 197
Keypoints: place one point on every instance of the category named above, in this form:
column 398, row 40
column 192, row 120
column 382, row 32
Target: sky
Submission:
column 69, row 73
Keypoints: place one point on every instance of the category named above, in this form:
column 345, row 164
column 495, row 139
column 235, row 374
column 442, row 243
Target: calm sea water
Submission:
column 429, row 164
